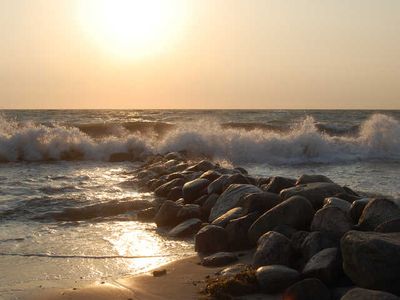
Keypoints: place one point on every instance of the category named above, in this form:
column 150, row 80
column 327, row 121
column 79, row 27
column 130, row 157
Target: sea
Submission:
column 54, row 161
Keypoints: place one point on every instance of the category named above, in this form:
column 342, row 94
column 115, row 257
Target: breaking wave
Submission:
column 306, row 141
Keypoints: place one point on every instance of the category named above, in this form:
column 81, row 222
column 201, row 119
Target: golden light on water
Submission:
column 133, row 29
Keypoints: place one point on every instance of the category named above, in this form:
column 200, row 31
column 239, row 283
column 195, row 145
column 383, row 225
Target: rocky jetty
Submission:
column 309, row 237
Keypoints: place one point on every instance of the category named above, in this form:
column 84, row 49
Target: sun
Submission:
column 133, row 28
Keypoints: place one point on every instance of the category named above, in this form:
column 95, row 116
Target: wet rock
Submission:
column 233, row 270
column 372, row 260
column 210, row 175
column 217, row 186
column 275, row 278
column 208, row 205
column 175, row 193
column 163, row 190
column 188, row 211
column 167, row 215
column 237, row 231
column 314, row 192
column 378, row 211
column 236, row 179
column 390, row 226
column 339, row 203
column 304, row 179
column 231, row 214
column 297, row 240
column 203, row 166
column 219, row 259
column 211, row 239
column 357, row 208
column 159, row 273
column 186, row 228
column 259, row 202
column 241, row 170
column 326, row 265
column 230, row 198
column 364, row 294
column 286, row 230
column 333, row 220
column 194, row 189
column 307, row 289
column 317, row 241
column 273, row 249
column 277, row 184
column 296, row 212
column 147, row 214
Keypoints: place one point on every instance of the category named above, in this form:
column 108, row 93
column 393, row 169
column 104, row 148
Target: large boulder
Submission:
column 217, row 186
column 277, row 184
column 167, row 214
column 237, row 231
column 317, row 241
column 276, row 278
column 219, row 259
column 326, row 265
column 203, row 166
column 357, row 208
column 364, row 294
column 175, row 193
column 337, row 202
column 163, row 190
column 372, row 260
column 236, row 179
column 305, row 178
column 188, row 211
column 389, row 226
column 378, row 211
column 210, row 175
column 273, row 249
column 194, row 189
column 208, row 205
column 186, row 228
column 333, row 220
column 314, row 192
column 230, row 198
column 307, row 289
column 211, row 239
column 296, row 212
column 231, row 214
column 259, row 202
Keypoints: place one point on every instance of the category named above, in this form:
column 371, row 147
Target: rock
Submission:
column 230, row 198
column 146, row 214
column 273, row 249
column 275, row 278
column 235, row 179
column 372, row 260
column 203, row 166
column 390, row 226
column 200, row 201
column 364, row 294
column 307, row 289
column 317, row 241
column 156, row 183
column 277, row 184
column 175, row 193
column 172, row 176
column 304, row 179
column 208, row 205
column 174, row 155
column 259, row 202
column 216, row 187
column 286, row 230
column 163, row 190
column 326, row 265
column 223, row 220
column 349, row 191
column 378, row 211
column 167, row 215
column 211, row 239
column 339, row 203
column 210, row 175
column 296, row 212
column 297, row 240
column 357, row 208
column 188, row 211
column 314, row 192
column 186, row 228
column 237, row 231
column 333, row 220
column 219, row 259
column 159, row 273
column 121, row 156
column 241, row 170
column 338, row 292
column 233, row 270
column 194, row 189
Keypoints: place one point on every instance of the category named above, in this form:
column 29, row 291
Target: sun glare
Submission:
column 133, row 28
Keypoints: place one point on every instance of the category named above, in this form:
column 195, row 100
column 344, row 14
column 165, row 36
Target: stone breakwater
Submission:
column 311, row 238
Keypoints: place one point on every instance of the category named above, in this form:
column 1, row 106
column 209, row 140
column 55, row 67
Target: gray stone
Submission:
column 372, row 260
column 237, row 231
column 259, row 202
column 277, row 184
column 337, row 202
column 305, row 178
column 230, row 198
column 378, row 211
column 364, row 294
column 163, row 190
column 307, row 289
column 217, row 186
column 276, row 278
column 194, row 189
column 188, row 211
column 211, row 239
column 314, row 192
column 185, row 228
column 223, row 220
column 317, row 241
column 296, row 212
column 219, row 259
column 208, row 205
column 357, row 208
column 390, row 226
column 167, row 214
column 210, row 175
column 203, row 166
column 175, row 193
column 273, row 249
column 333, row 220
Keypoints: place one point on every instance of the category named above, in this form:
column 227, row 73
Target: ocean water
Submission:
column 63, row 215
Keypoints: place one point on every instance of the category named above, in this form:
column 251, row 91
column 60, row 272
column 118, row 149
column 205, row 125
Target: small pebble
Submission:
column 158, row 273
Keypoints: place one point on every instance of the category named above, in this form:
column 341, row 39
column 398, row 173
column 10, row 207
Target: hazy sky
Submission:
column 216, row 54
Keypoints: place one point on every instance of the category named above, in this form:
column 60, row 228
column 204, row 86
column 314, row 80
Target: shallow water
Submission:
column 360, row 149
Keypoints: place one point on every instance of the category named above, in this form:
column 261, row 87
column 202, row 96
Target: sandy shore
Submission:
column 184, row 280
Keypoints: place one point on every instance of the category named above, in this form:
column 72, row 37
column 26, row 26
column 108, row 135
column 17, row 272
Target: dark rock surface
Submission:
column 194, row 189
column 307, row 289
column 211, row 239
column 219, row 259
column 378, row 211
column 276, row 278
column 364, row 294
column 332, row 219
column 186, row 228
column 273, row 249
